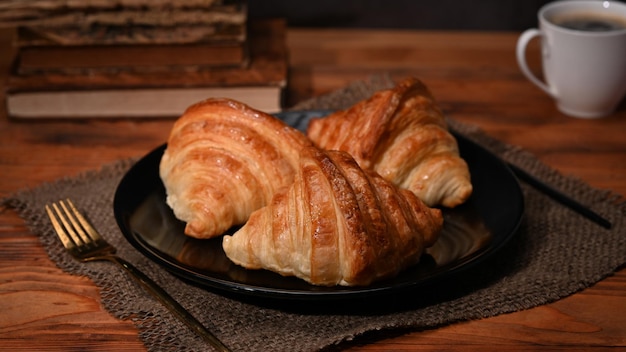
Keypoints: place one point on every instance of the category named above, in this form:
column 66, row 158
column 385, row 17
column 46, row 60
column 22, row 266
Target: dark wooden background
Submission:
column 403, row 14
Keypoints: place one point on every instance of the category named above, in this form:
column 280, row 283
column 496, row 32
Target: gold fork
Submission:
column 85, row 244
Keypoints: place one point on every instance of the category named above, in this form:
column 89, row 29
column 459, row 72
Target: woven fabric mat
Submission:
column 555, row 254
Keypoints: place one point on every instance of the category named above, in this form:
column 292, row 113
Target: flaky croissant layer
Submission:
column 223, row 161
column 336, row 225
column 401, row 134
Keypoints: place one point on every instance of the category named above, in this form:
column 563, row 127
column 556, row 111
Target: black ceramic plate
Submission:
column 472, row 232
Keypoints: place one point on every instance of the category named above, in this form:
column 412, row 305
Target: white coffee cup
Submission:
column 584, row 70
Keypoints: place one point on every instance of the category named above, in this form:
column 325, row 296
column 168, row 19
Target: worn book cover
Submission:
column 158, row 93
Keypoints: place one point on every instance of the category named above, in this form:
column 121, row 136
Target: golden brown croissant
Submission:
column 336, row 225
column 223, row 161
column 401, row 134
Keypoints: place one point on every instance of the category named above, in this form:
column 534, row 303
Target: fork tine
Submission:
column 69, row 229
column 75, row 229
column 58, row 228
column 85, row 225
column 69, row 224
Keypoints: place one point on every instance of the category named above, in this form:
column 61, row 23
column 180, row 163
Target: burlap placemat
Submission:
column 555, row 253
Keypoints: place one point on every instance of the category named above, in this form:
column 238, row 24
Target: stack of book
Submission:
column 140, row 58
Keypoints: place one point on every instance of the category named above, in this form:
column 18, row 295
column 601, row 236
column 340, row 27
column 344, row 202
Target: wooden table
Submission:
column 476, row 79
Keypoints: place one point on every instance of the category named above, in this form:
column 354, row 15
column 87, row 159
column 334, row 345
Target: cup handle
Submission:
column 522, row 43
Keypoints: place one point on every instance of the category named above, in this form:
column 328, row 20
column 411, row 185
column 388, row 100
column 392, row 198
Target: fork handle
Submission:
column 174, row 307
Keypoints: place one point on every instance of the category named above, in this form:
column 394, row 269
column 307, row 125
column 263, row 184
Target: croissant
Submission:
column 336, row 225
column 223, row 161
column 401, row 134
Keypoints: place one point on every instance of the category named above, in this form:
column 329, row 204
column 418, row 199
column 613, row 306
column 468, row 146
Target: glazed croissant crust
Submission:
column 223, row 161
column 336, row 225
column 401, row 134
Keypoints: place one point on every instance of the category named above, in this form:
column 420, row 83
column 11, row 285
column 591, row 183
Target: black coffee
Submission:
column 590, row 22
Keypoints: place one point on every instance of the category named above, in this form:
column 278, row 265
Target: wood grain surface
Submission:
column 476, row 80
